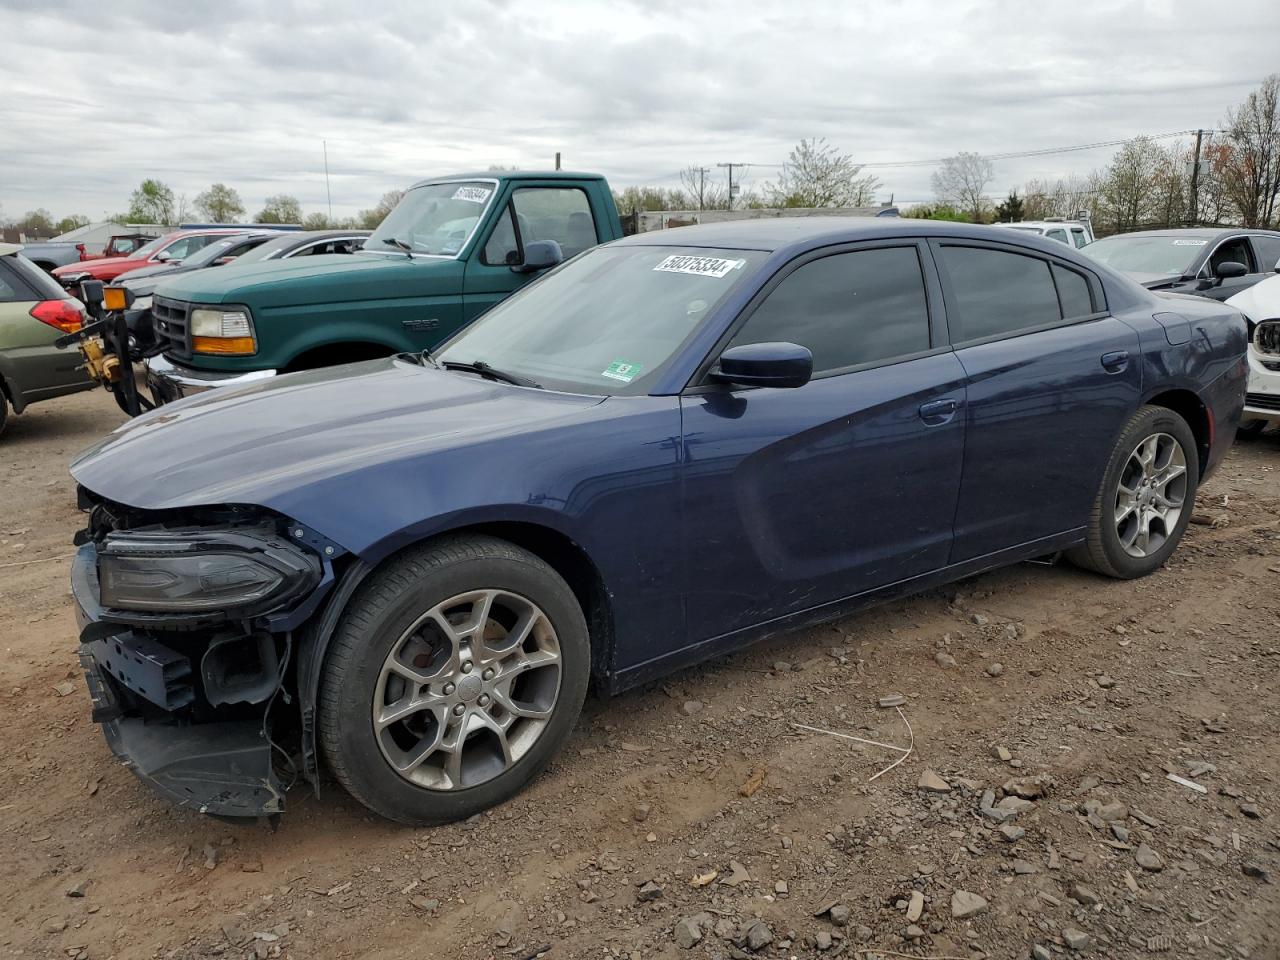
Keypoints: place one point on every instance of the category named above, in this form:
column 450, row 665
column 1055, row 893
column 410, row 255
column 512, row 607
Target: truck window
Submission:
column 1057, row 233
column 562, row 214
column 1078, row 237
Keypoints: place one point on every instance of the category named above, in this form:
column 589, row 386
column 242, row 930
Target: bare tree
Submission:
column 962, row 182
column 1251, row 175
column 818, row 175
column 703, row 194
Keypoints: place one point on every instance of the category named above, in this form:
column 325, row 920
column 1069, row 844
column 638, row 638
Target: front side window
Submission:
column 1268, row 253
column 1057, row 234
column 183, row 247
column 1078, row 238
column 997, row 293
column 1235, row 250
column 562, row 214
column 606, row 323
column 848, row 309
column 435, row 219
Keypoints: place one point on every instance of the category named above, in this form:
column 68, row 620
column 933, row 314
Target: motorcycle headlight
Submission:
column 224, row 331
column 231, row 571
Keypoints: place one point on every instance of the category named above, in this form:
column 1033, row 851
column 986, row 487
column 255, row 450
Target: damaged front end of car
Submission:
column 190, row 622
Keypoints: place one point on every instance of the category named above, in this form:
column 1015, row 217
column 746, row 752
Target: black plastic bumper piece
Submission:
column 222, row 769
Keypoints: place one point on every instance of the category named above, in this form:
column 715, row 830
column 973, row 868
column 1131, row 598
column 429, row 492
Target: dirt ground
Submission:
column 646, row 840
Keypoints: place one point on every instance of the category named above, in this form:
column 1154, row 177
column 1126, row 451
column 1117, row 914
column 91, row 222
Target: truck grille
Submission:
column 170, row 319
column 1263, row 401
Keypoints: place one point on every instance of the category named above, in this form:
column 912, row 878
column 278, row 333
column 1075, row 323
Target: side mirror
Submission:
column 164, row 256
column 1276, row 268
column 539, row 255
column 765, row 365
column 1231, row 269
column 223, row 261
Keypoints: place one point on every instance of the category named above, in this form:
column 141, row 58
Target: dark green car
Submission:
column 34, row 312
column 452, row 248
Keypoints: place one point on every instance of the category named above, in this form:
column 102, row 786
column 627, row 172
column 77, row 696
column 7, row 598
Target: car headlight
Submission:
column 228, row 332
column 142, row 303
column 243, row 571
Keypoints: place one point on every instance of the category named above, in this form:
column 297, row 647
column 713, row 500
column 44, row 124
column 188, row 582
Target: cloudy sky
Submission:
column 97, row 95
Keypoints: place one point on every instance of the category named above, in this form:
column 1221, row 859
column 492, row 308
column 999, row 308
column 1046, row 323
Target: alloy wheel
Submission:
column 467, row 690
column 1151, row 494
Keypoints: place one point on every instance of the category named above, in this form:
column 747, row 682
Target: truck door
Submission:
column 554, row 212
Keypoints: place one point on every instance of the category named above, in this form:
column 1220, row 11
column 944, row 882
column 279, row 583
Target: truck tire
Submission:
column 455, row 674
column 1146, row 497
column 4, row 409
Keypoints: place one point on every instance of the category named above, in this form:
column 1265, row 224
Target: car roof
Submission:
column 512, row 175
column 1199, row 234
column 775, row 233
column 1042, row 223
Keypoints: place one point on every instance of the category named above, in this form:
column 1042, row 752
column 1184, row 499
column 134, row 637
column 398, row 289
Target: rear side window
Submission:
column 848, row 309
column 997, row 293
column 1057, row 234
column 8, row 288
column 39, row 281
column 1268, row 249
column 1073, row 292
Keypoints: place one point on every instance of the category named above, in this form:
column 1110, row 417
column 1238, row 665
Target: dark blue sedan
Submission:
column 668, row 447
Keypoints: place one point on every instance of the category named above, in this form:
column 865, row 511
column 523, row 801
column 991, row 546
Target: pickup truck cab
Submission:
column 452, row 248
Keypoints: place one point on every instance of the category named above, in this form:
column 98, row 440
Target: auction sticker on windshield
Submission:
column 699, row 266
column 621, row 370
column 474, row 194
column 1190, row 243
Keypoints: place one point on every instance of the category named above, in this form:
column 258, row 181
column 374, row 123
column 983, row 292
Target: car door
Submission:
column 561, row 213
column 794, row 498
column 1052, row 376
column 1266, row 250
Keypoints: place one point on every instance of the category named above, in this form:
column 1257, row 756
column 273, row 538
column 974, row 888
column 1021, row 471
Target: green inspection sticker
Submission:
column 621, row 370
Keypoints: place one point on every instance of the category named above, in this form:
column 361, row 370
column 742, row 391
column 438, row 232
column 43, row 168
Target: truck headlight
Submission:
column 142, row 303
column 228, row 332
column 243, row 571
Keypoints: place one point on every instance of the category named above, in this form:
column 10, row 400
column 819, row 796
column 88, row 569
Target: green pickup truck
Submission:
column 453, row 247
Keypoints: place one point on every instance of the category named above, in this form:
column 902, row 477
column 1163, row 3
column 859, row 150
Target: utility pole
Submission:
column 1195, row 183
column 702, row 185
column 731, row 166
column 557, row 159
column 327, row 192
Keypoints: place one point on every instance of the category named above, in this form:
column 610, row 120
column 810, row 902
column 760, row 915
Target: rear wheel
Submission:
column 456, row 673
column 4, row 410
column 1145, row 501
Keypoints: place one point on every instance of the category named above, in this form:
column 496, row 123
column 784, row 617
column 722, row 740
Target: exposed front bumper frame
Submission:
column 168, row 381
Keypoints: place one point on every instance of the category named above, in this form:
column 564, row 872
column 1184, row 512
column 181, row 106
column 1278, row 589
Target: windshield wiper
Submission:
column 399, row 244
column 491, row 373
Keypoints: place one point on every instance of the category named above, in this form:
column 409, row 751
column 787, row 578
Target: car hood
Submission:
column 275, row 443
column 330, row 278
column 97, row 268
column 148, row 276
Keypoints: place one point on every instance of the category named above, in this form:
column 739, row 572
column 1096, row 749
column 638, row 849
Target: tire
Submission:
column 1251, row 429
column 4, row 410
column 416, row 618
column 1111, row 542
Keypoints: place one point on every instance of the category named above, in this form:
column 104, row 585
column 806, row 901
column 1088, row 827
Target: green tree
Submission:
column 152, row 202
column 369, row 219
column 315, row 221
column 220, row 204
column 280, row 208
column 818, row 175
column 928, row 211
column 73, row 222
column 36, row 223
column 1010, row 210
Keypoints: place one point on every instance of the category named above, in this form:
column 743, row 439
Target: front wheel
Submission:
column 1145, row 501
column 455, row 675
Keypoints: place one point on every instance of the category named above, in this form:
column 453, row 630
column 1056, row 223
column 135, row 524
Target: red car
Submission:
column 172, row 246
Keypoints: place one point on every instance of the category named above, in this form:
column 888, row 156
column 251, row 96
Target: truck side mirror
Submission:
column 539, row 255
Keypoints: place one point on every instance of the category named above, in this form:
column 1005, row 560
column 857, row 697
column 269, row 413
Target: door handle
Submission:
column 938, row 411
column 1116, row 361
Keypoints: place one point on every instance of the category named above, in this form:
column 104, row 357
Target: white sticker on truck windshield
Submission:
column 474, row 194
column 699, row 266
column 1190, row 243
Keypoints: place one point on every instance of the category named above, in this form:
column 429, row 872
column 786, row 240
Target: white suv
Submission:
column 1074, row 233
column 1261, row 304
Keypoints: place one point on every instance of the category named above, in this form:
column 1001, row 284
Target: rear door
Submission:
column 798, row 497
column 1052, row 376
column 562, row 212
column 31, row 359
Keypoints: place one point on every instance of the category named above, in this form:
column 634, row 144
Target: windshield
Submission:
column 607, row 321
column 435, row 219
column 263, row 251
column 1154, row 256
column 211, row 252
